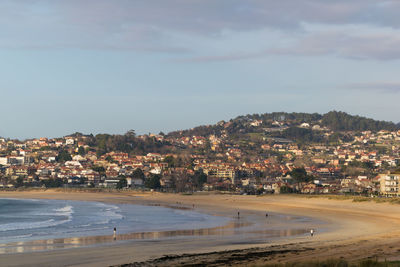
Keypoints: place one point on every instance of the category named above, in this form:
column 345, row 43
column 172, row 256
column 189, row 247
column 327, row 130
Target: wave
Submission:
column 190, row 215
column 21, row 199
column 65, row 211
column 31, row 225
column 110, row 212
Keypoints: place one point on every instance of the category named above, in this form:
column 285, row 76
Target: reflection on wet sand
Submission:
column 49, row 244
column 231, row 229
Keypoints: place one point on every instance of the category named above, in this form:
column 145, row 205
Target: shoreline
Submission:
column 349, row 225
column 230, row 228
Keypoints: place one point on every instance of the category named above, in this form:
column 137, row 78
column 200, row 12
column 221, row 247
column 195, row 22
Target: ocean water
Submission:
column 33, row 219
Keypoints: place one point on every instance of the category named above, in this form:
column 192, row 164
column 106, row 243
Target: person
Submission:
column 115, row 233
column 238, row 214
column 266, row 214
column 312, row 232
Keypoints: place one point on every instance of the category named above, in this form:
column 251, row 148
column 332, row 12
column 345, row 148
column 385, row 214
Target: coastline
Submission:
column 349, row 225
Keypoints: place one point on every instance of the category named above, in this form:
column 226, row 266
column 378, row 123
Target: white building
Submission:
column 389, row 184
column 69, row 141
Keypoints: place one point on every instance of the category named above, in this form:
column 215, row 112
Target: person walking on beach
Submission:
column 115, row 233
column 312, row 232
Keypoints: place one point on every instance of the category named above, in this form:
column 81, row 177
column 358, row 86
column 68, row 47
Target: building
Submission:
column 215, row 174
column 389, row 184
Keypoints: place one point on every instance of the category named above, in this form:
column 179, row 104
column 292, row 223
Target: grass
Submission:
column 337, row 263
column 391, row 200
column 256, row 136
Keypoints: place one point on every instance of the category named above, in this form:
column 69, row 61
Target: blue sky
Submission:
column 102, row 66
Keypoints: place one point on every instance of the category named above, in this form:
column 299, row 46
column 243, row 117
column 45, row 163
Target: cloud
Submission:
column 152, row 25
column 383, row 87
column 221, row 58
column 350, row 41
column 347, row 42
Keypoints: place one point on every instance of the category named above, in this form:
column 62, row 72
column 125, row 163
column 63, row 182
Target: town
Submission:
column 274, row 153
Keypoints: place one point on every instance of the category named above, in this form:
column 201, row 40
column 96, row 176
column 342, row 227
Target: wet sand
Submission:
column 351, row 230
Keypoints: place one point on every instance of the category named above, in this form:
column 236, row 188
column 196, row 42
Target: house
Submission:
column 256, row 123
column 309, row 189
column 389, row 184
column 93, row 177
column 74, row 180
column 215, row 174
column 305, row 125
column 110, row 183
column 134, row 182
column 69, row 141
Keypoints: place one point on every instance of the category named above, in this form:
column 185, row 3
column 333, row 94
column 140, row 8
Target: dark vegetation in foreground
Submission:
column 218, row 258
column 254, row 257
column 337, row 263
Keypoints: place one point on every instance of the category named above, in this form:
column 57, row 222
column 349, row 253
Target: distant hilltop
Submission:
column 295, row 126
column 333, row 120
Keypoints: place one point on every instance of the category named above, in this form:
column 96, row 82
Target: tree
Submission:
column 53, row 183
column 182, row 181
column 122, row 183
column 170, row 160
column 199, row 178
column 131, row 133
column 341, row 121
column 153, row 182
column 300, row 175
column 63, row 156
column 19, row 182
column 300, row 135
column 99, row 169
column 285, row 189
column 138, row 174
column 260, row 191
column 81, row 151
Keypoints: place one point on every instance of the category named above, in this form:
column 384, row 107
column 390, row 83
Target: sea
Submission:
column 38, row 219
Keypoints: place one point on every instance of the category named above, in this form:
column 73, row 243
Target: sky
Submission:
column 108, row 66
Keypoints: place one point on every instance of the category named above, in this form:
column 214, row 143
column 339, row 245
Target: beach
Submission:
column 343, row 229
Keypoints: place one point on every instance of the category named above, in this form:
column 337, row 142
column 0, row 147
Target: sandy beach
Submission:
column 351, row 230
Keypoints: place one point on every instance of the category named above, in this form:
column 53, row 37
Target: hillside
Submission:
column 341, row 121
column 246, row 132
column 334, row 120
